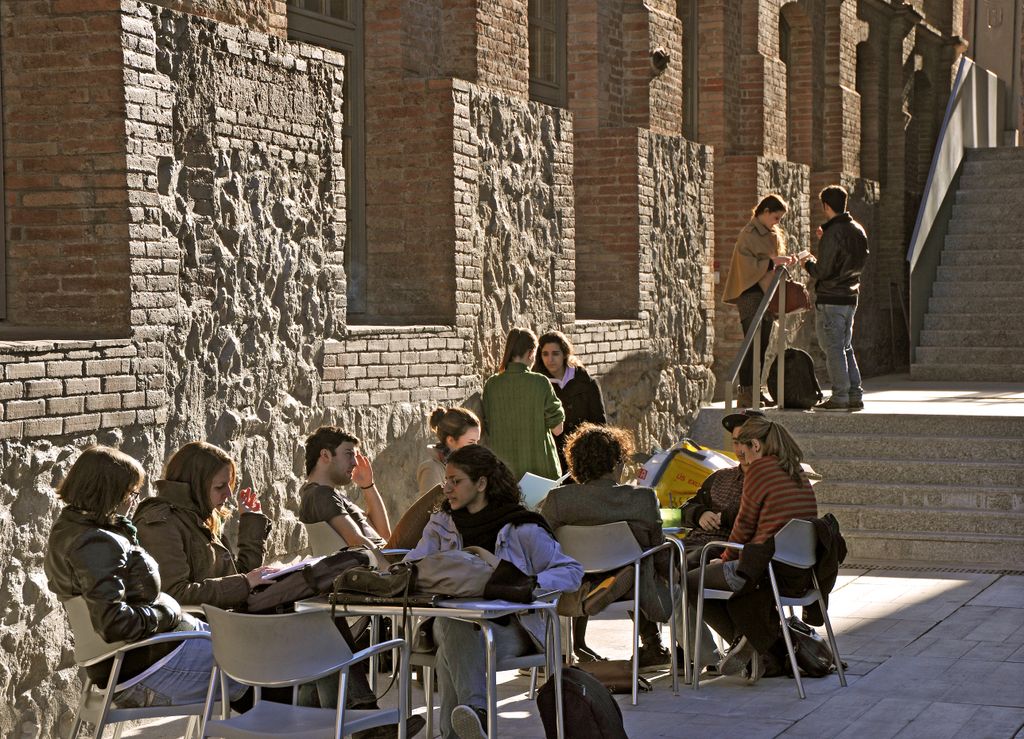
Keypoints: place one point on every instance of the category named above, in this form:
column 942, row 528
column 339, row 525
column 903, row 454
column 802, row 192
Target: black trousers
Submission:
column 748, row 303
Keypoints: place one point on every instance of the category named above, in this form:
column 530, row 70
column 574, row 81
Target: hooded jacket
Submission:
column 196, row 567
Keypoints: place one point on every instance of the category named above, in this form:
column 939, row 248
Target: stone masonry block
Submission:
column 25, row 409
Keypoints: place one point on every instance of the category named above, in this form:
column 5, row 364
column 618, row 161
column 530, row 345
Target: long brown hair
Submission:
column 773, row 203
column 518, row 342
column 100, row 479
column 555, row 337
column 196, row 464
column 777, row 442
column 479, row 461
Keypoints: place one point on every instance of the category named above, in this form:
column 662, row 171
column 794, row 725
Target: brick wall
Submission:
column 66, row 211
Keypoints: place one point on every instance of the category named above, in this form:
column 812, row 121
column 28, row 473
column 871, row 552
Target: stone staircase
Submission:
column 972, row 331
column 919, row 489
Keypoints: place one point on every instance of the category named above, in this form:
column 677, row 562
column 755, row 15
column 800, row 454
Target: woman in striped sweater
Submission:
column 775, row 491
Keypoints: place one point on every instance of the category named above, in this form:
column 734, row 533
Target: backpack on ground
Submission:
column 280, row 595
column 589, row 710
column 800, row 385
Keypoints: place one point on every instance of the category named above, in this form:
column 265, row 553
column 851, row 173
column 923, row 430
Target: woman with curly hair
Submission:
column 522, row 414
column 576, row 389
column 483, row 507
column 182, row 528
column 596, row 456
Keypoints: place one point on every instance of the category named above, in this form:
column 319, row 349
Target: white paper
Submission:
column 291, row 568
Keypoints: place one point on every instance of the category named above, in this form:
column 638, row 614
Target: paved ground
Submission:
column 930, row 654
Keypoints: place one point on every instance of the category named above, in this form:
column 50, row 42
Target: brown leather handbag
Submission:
column 797, row 299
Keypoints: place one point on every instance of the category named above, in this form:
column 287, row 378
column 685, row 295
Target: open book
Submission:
column 294, row 567
column 535, row 488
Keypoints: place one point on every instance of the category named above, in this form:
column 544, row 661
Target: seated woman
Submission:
column 181, row 527
column 775, row 491
column 454, row 428
column 482, row 507
column 93, row 552
column 596, row 455
column 711, row 511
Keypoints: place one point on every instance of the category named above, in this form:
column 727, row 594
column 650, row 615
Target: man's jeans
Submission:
column 462, row 662
column 834, row 326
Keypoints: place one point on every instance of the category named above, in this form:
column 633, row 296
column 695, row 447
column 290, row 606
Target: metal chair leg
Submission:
column 785, row 633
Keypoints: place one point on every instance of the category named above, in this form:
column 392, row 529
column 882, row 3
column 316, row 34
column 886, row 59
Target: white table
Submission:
column 481, row 612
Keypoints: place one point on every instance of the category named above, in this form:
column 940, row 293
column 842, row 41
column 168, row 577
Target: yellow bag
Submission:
column 678, row 472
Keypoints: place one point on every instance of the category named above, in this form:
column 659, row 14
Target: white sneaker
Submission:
column 468, row 722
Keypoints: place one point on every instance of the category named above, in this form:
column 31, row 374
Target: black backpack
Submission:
column 801, row 386
column 589, row 710
column 279, row 596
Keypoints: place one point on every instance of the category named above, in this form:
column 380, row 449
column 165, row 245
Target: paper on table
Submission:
column 292, row 568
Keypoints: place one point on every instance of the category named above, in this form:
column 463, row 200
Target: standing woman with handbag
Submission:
column 483, row 508
column 760, row 247
column 522, row 414
column 578, row 392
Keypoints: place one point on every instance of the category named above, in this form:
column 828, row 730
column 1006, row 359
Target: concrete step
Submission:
column 970, row 242
column 991, row 337
column 980, row 224
column 998, row 166
column 916, row 495
column 946, row 372
column 897, row 447
column 707, row 429
column 995, row 153
column 973, row 356
column 1000, row 552
column 921, row 471
column 994, row 184
column 963, row 321
column 989, row 212
column 976, row 272
column 1012, row 196
column 978, row 289
column 952, row 257
column 898, row 519
column 967, row 305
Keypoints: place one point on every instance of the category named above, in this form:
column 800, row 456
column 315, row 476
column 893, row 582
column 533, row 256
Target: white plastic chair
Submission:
column 95, row 705
column 323, row 539
column 796, row 545
column 284, row 651
column 611, row 546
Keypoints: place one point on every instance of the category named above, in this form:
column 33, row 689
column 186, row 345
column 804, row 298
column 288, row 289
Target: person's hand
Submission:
column 709, row 521
column 248, row 501
column 362, row 474
column 783, row 260
column 255, row 577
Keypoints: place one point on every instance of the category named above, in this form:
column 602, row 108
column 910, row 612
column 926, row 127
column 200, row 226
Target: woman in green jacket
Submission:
column 522, row 414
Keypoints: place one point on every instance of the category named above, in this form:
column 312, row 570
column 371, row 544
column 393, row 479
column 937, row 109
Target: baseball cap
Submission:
column 733, row 420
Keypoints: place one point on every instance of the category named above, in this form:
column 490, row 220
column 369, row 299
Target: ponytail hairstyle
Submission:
column 518, row 342
column 555, row 337
column 452, row 422
column 196, row 464
column 776, row 442
column 773, row 203
column 479, row 461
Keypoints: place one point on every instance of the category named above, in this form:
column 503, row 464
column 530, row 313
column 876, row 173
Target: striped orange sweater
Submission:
column 771, row 498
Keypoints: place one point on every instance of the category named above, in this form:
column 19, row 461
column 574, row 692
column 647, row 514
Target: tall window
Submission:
column 547, row 20
column 338, row 24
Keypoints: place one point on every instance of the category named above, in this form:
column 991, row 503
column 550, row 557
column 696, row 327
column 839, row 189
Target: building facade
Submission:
column 234, row 221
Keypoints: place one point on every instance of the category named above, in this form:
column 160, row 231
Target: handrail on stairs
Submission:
column 752, row 339
column 971, row 121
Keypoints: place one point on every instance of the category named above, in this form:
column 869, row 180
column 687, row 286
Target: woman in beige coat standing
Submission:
column 760, row 247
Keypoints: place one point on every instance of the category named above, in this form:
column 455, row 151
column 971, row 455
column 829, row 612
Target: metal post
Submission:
column 780, row 350
column 755, row 378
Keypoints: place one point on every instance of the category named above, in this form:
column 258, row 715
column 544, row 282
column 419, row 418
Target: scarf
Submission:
column 481, row 529
column 113, row 522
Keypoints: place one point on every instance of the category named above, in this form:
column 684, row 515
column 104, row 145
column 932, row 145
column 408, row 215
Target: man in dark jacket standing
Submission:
column 842, row 253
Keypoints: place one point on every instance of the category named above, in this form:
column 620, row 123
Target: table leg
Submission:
column 555, row 670
column 492, row 680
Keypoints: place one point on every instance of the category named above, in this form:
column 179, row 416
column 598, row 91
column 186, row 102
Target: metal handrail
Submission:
column 753, row 340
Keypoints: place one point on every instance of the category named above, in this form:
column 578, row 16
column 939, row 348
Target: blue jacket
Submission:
column 528, row 546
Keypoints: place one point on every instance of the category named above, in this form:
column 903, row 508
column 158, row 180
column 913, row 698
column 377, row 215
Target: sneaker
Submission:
column 856, row 405
column 738, row 658
column 754, row 670
column 767, row 402
column 586, row 654
column 654, row 655
column 413, row 726
column 469, row 722
column 833, row 405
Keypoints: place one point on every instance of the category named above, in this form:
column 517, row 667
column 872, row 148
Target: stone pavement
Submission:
column 931, row 654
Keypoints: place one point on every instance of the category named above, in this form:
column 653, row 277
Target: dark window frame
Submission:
column 3, row 211
column 346, row 36
column 543, row 91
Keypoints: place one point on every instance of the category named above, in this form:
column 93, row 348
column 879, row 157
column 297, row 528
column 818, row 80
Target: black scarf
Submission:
column 481, row 529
